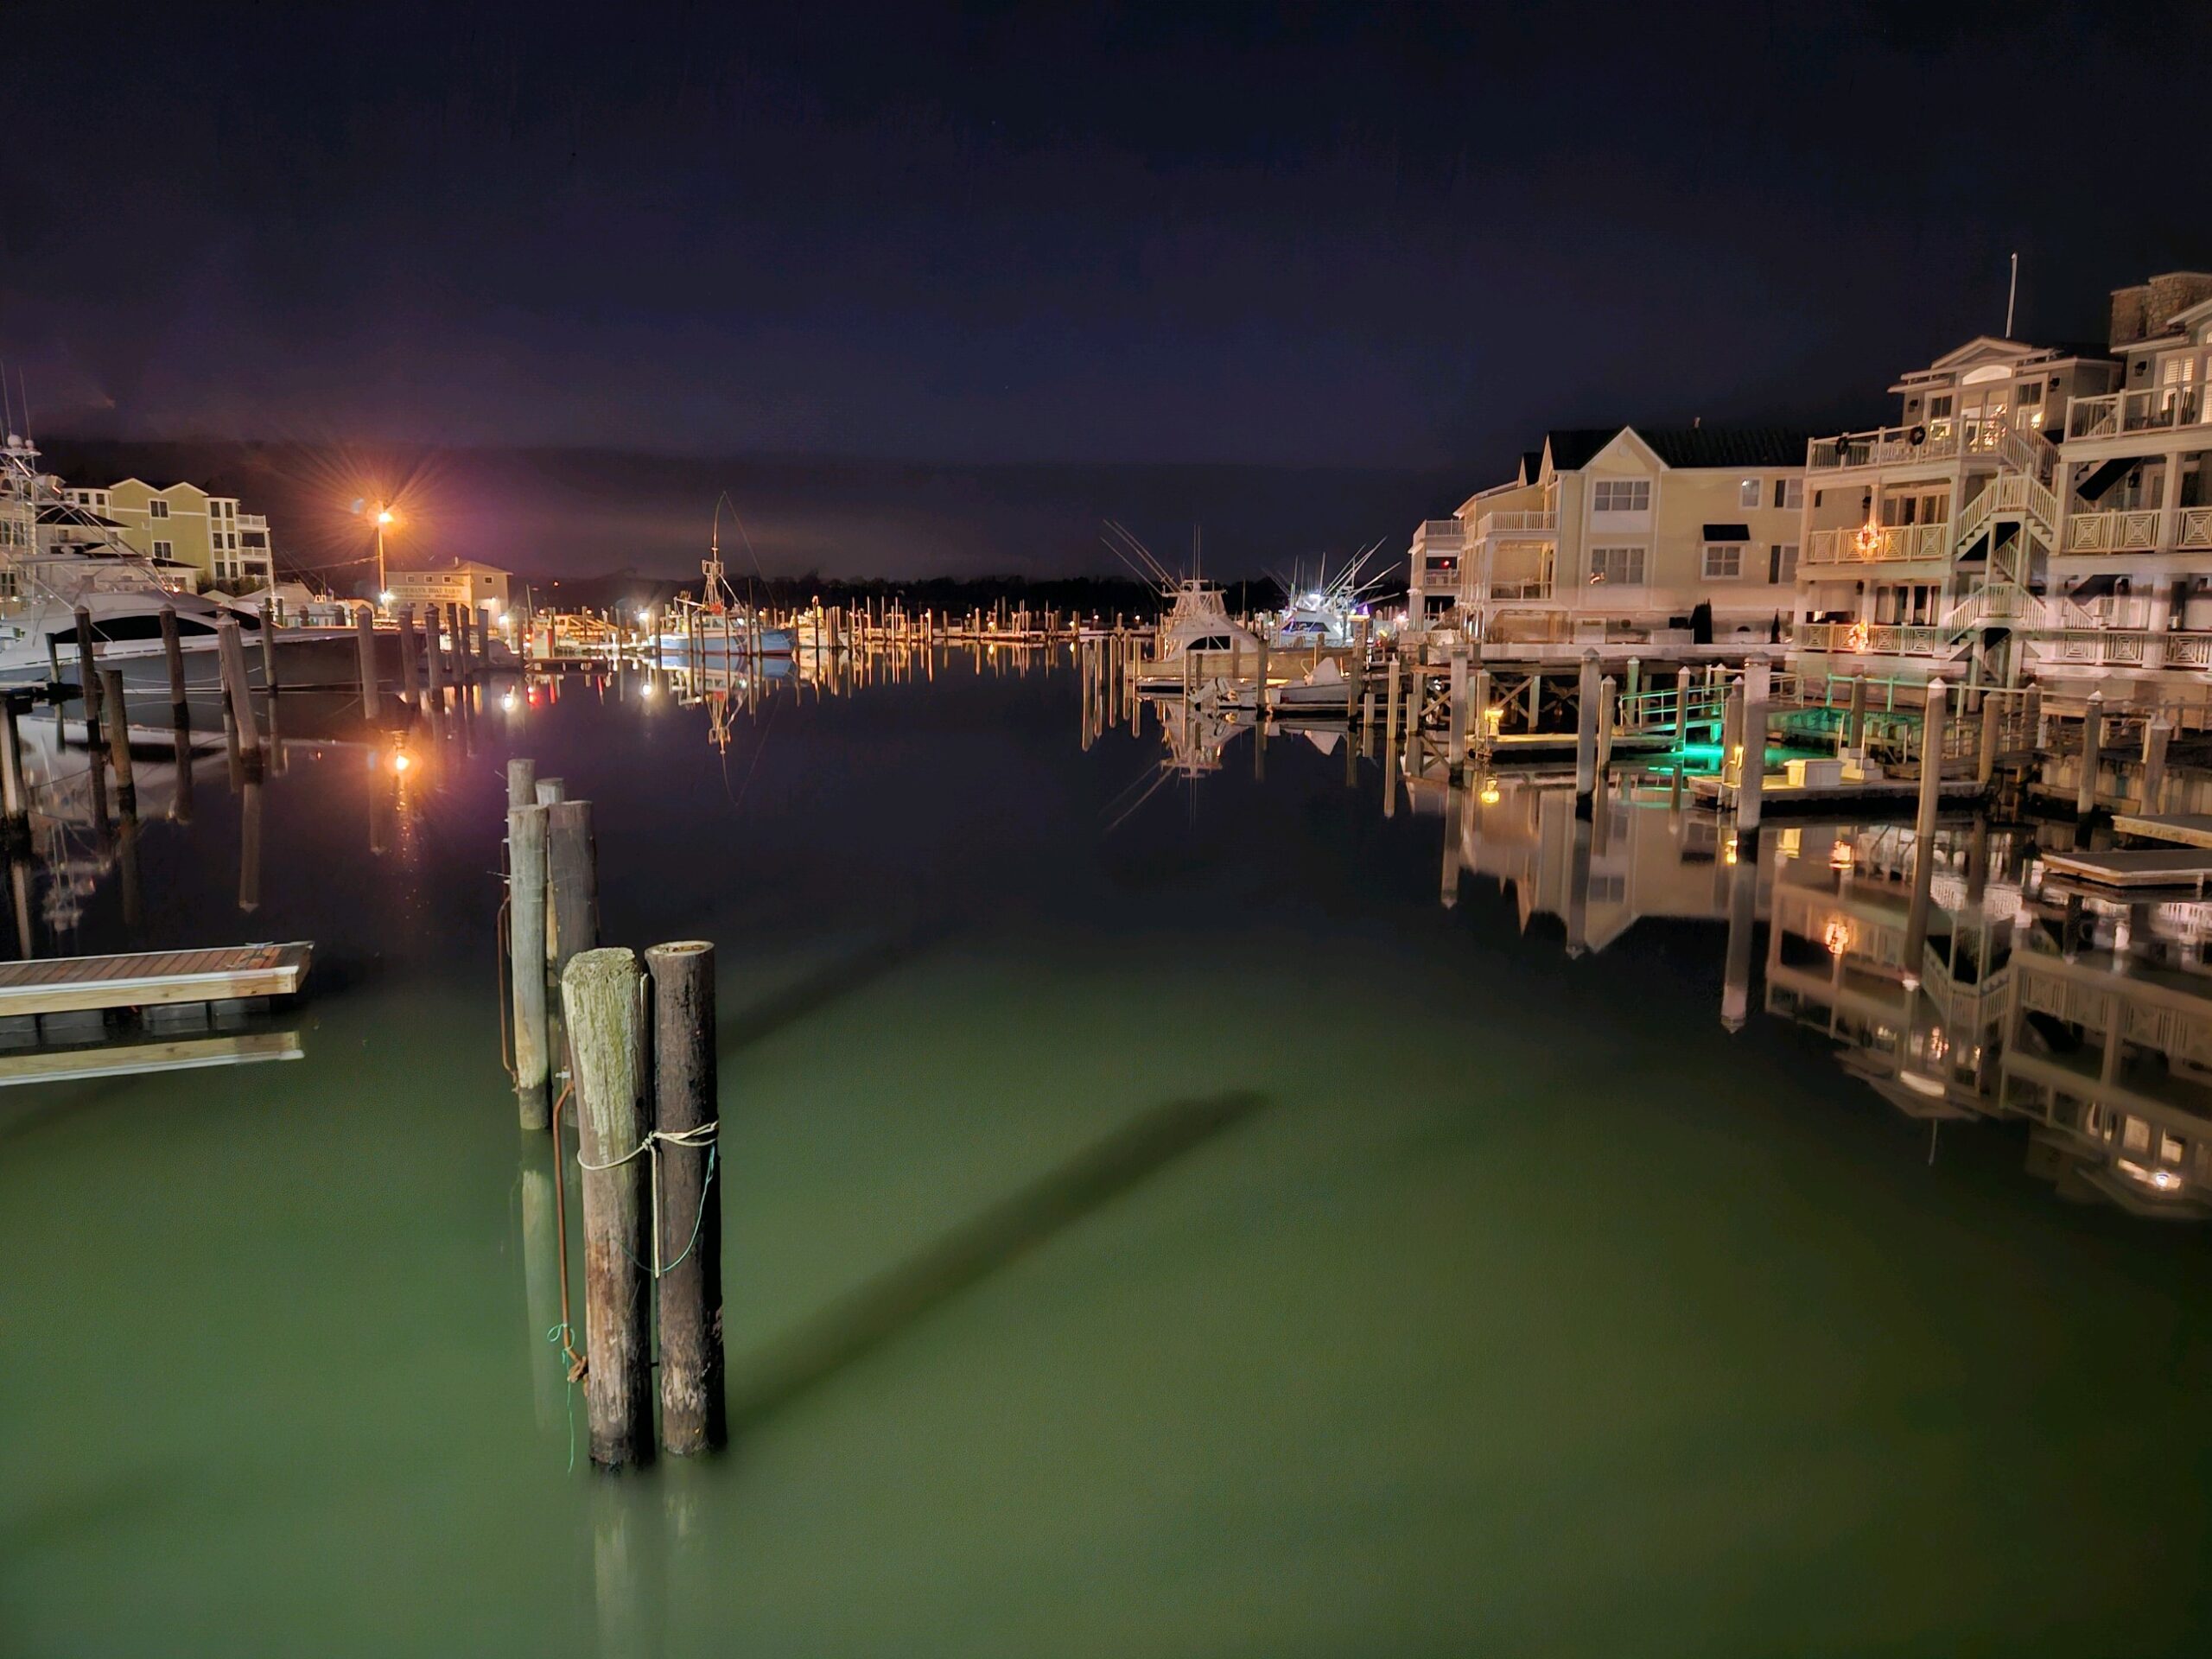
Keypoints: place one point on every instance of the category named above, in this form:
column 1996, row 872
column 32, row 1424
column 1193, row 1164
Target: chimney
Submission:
column 2127, row 315
column 2171, row 294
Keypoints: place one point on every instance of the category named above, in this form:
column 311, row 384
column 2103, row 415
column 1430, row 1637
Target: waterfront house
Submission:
column 1634, row 535
column 2037, row 511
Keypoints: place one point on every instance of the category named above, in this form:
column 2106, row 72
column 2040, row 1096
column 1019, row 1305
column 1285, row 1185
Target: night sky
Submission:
column 1066, row 238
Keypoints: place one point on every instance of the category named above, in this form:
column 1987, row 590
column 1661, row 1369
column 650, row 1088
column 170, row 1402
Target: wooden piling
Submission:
column 1683, row 680
column 15, row 788
column 601, row 1012
column 1585, row 730
column 2156, row 735
column 1608, row 690
column 173, row 655
column 434, row 665
column 522, row 782
column 1456, row 717
column 365, row 638
column 410, row 684
column 271, row 683
column 526, row 838
column 2085, row 787
column 1751, row 776
column 1992, row 714
column 1854, row 728
column 1923, row 826
column 232, row 654
column 118, row 739
column 572, row 881
column 692, row 1409
column 88, row 676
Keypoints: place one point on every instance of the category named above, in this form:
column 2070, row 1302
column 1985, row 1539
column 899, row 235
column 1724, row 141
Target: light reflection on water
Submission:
column 1155, row 1223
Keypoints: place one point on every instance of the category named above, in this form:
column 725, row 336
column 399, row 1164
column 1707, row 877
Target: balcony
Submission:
column 1878, row 544
column 1892, row 446
column 1532, row 525
column 2135, row 530
column 1439, row 536
column 2157, row 408
column 1873, row 638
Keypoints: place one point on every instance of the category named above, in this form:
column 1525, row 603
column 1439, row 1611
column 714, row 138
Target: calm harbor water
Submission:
column 1463, row 1292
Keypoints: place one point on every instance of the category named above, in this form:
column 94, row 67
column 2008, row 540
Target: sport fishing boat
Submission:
column 1328, row 612
column 58, row 558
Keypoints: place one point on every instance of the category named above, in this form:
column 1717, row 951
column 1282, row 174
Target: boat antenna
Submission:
column 2011, row 294
column 7, row 409
column 1134, row 554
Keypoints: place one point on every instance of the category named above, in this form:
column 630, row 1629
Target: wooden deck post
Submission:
column 1854, row 723
column 572, row 880
column 365, row 638
column 601, row 1008
column 1608, row 693
column 232, row 654
column 173, row 655
column 1992, row 716
column 118, row 740
column 693, row 1414
column 522, row 782
column 1456, row 720
column 1684, row 680
column 526, row 830
column 1751, row 775
column 434, row 667
column 1923, row 826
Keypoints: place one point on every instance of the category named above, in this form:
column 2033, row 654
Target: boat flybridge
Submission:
column 1196, row 639
column 1330, row 611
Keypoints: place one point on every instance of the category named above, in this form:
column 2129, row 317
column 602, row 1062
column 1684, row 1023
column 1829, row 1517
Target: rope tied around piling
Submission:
column 691, row 1140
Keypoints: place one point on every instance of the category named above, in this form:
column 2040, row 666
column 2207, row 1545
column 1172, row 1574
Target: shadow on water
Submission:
column 895, row 1300
column 827, row 985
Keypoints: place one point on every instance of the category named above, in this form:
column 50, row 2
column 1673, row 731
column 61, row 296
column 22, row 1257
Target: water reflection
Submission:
column 2086, row 1015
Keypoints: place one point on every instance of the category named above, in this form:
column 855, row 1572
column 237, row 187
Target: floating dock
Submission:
column 2145, row 867
column 151, row 979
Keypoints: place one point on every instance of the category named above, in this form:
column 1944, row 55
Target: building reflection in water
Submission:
column 2087, row 1016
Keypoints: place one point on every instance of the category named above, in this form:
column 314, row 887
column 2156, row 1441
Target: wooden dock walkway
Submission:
column 151, row 979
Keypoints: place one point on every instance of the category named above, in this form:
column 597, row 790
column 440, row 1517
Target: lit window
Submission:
column 1617, row 567
column 1747, row 494
column 1723, row 561
column 1621, row 495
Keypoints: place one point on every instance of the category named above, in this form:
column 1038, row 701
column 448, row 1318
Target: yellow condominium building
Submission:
column 187, row 526
column 1624, row 534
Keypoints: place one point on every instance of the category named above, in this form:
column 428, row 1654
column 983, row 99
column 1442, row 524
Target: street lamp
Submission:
column 384, row 517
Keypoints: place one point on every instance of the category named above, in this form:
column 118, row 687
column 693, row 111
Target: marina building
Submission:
column 463, row 581
column 185, row 525
column 1625, row 535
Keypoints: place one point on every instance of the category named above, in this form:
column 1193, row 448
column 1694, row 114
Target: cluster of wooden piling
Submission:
column 639, row 1042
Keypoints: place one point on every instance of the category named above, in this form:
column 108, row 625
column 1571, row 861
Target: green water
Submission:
column 1476, row 1298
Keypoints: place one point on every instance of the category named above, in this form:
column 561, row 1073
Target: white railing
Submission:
column 2154, row 408
column 2024, row 448
column 1872, row 544
column 2195, row 527
column 1517, row 588
column 1516, row 522
column 1440, row 535
column 2013, row 492
column 2132, row 530
column 1987, row 605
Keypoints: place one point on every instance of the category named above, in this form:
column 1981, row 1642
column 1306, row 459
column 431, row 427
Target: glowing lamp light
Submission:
column 386, row 597
column 645, row 616
column 1856, row 639
column 1728, row 851
column 1491, row 794
column 647, row 688
column 1838, row 937
column 1842, row 856
column 507, row 701
column 384, row 515
column 401, row 762
column 1868, row 540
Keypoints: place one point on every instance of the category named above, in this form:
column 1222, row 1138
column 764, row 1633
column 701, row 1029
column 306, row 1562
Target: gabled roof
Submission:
column 1982, row 345
column 1575, row 448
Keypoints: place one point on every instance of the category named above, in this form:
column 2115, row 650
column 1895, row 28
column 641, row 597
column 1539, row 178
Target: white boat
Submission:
column 1328, row 611
column 1195, row 640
